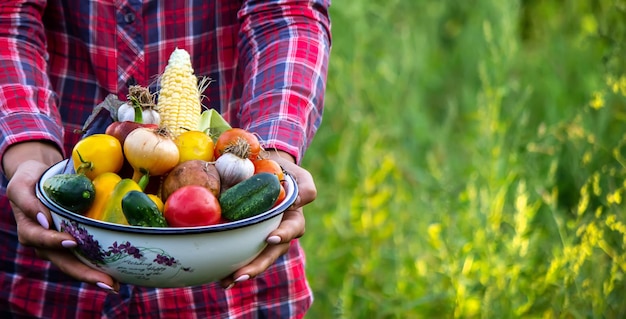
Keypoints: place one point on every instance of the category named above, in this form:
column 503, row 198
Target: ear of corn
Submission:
column 179, row 96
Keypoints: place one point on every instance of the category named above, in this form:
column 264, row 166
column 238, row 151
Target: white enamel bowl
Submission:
column 166, row 257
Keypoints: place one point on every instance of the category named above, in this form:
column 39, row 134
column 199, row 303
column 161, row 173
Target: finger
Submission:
column 263, row 261
column 292, row 226
column 307, row 192
column 21, row 189
column 48, row 239
column 31, row 233
column 69, row 264
column 31, row 216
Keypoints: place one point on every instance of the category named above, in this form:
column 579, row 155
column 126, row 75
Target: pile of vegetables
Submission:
column 169, row 164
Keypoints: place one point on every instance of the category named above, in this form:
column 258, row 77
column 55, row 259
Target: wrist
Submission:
column 41, row 151
column 279, row 154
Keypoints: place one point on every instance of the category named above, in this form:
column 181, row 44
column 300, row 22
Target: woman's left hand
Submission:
column 291, row 227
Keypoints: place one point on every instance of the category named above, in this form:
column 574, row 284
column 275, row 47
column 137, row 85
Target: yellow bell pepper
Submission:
column 113, row 208
column 157, row 200
column 104, row 185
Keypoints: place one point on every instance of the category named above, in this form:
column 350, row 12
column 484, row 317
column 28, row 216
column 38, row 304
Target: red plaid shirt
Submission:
column 59, row 58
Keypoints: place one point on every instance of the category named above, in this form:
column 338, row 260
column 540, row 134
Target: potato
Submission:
column 193, row 172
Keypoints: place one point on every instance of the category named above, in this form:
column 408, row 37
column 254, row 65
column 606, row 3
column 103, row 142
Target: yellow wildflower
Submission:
column 614, row 197
column 597, row 101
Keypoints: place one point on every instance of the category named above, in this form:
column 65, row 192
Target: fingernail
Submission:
column 69, row 244
column 242, row 278
column 232, row 284
column 106, row 287
column 274, row 240
column 42, row 220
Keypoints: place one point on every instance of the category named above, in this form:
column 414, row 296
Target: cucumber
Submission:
column 250, row 197
column 74, row 192
column 140, row 210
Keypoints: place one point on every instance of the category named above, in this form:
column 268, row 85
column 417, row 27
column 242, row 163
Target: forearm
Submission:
column 28, row 110
column 276, row 154
column 284, row 49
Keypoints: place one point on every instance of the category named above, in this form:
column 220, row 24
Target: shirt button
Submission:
column 129, row 18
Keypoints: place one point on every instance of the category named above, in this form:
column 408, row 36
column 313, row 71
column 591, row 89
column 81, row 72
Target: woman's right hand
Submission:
column 24, row 164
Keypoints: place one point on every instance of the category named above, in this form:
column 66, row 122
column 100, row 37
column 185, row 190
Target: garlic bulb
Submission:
column 126, row 112
column 233, row 169
column 151, row 116
column 140, row 107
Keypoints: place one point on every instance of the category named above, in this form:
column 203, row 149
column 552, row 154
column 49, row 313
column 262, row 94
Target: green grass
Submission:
column 471, row 161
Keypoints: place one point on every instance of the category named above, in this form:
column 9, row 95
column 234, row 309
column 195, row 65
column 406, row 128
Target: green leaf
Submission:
column 212, row 123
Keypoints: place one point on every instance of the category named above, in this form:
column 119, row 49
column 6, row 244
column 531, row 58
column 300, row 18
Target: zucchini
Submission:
column 74, row 192
column 140, row 210
column 250, row 197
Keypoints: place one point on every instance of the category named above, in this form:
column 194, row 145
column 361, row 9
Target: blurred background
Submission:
column 471, row 161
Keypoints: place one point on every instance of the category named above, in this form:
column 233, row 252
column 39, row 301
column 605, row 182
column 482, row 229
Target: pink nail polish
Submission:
column 69, row 244
column 273, row 240
column 42, row 220
column 242, row 278
column 106, row 287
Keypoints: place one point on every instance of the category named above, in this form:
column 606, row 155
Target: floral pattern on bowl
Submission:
column 124, row 253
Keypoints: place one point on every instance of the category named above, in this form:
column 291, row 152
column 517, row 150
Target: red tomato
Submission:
column 269, row 166
column 192, row 205
column 231, row 136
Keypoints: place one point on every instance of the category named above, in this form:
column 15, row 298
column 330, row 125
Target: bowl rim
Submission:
column 290, row 198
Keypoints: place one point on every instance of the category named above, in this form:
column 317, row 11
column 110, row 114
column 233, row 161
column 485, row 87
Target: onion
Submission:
column 234, row 165
column 150, row 152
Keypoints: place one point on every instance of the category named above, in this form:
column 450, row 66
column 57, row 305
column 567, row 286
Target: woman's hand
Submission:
column 24, row 164
column 291, row 226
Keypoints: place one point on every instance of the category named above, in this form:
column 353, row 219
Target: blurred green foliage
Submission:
column 471, row 161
